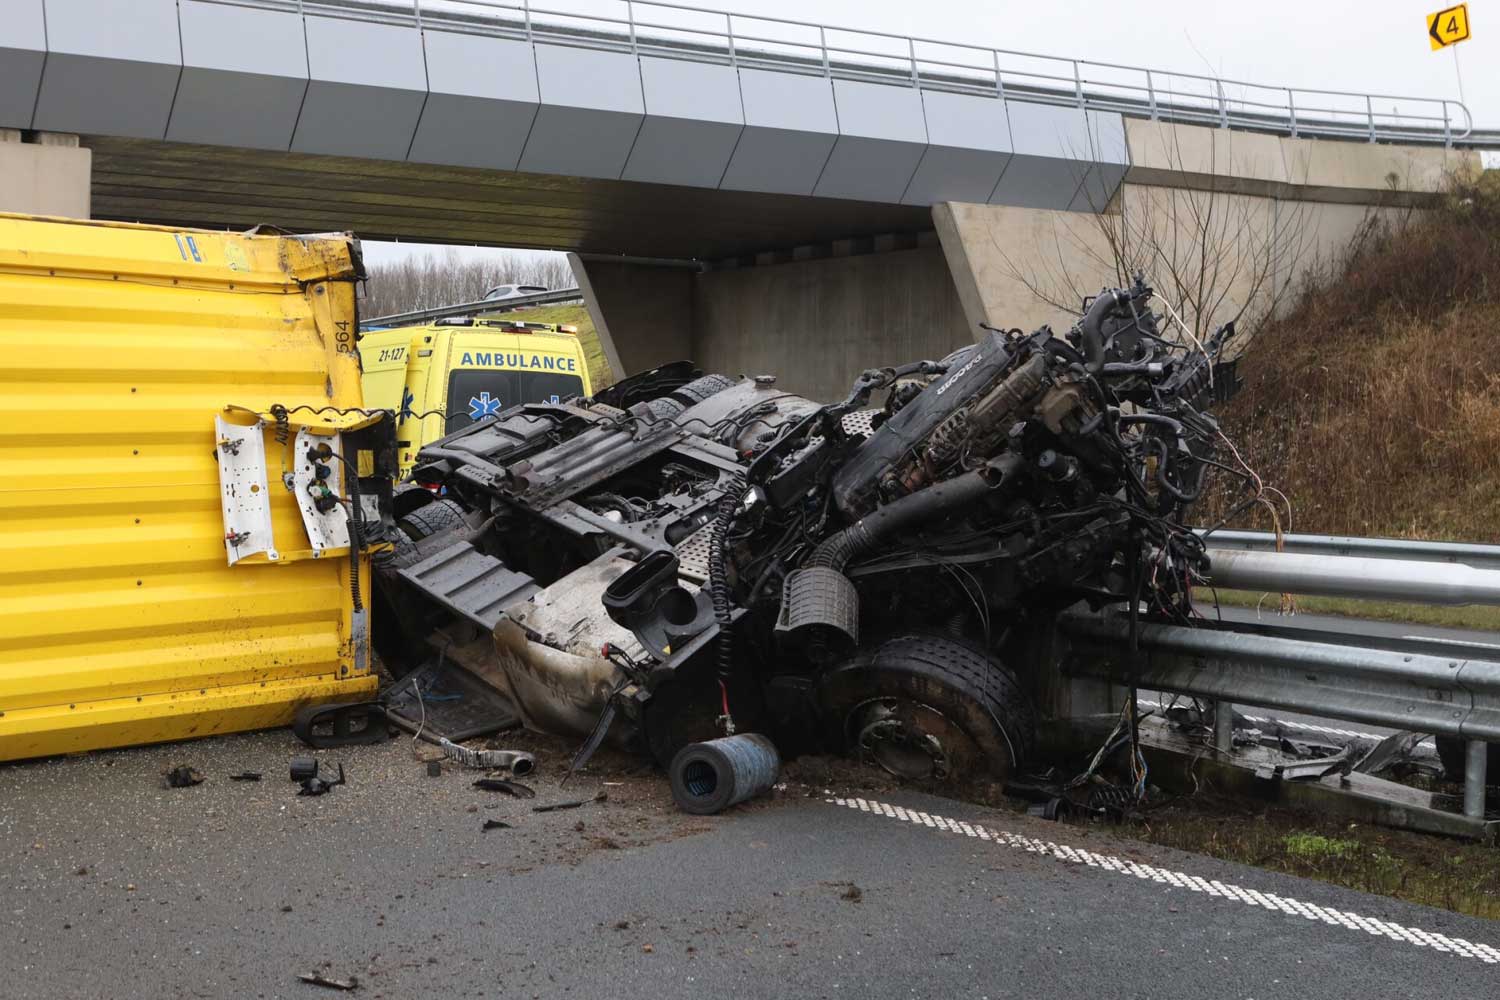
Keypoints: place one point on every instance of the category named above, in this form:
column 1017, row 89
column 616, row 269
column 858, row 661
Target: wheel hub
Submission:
column 905, row 738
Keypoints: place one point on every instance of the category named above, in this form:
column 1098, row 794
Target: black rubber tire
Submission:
column 664, row 408
column 424, row 522
column 408, row 497
column 700, row 389
column 969, row 687
column 1454, row 753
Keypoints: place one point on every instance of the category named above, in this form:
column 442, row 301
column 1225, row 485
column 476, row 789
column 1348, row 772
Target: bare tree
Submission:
column 440, row 279
column 1214, row 253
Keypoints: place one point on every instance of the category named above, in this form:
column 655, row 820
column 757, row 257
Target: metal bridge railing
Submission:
column 679, row 31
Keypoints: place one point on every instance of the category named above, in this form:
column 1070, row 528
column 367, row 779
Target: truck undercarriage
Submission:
column 684, row 555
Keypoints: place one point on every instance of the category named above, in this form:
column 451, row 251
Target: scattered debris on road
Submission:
column 318, row 979
column 182, row 777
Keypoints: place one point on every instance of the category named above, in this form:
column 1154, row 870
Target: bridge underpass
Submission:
column 757, row 194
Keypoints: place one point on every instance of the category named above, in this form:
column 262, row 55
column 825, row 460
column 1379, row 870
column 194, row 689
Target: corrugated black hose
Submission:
column 718, row 579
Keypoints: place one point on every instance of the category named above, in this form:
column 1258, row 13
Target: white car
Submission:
column 512, row 291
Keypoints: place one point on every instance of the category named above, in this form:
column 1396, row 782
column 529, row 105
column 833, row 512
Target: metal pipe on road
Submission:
column 1359, row 578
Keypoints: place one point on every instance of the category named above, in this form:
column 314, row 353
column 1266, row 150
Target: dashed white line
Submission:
column 1193, row 883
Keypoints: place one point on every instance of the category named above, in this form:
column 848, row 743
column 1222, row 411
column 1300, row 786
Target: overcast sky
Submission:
column 1375, row 46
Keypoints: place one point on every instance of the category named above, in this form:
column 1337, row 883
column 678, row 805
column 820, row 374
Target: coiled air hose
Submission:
column 718, row 585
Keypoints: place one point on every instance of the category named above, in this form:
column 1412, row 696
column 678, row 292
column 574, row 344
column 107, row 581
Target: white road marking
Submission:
column 1193, row 883
column 1454, row 642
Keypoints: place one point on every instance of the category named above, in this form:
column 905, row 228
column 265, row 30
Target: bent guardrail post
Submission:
column 1442, row 695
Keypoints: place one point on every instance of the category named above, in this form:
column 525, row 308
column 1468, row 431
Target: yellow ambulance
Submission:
column 442, row 377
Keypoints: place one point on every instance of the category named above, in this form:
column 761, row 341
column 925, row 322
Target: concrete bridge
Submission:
column 758, row 194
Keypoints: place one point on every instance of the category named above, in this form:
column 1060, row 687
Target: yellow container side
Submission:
column 121, row 621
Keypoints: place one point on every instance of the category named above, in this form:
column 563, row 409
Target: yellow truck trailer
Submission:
column 181, row 454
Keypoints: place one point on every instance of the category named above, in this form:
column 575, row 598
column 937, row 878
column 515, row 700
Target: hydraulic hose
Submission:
column 934, row 501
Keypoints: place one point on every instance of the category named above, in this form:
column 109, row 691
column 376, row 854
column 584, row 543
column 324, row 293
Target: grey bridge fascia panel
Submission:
column 244, row 75
column 23, row 49
column 109, row 70
column 481, row 102
column 367, row 84
column 256, row 77
column 694, row 117
column 590, row 114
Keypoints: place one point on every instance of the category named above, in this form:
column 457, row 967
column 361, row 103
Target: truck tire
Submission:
column 700, row 389
column 663, row 408
column 1454, row 753
column 931, row 709
column 440, row 515
column 408, row 497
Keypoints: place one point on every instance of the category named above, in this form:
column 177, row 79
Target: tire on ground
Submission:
column 440, row 515
column 1454, row 753
column 970, row 688
column 701, row 388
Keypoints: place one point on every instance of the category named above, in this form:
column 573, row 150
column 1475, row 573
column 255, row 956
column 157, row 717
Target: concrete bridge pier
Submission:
column 44, row 173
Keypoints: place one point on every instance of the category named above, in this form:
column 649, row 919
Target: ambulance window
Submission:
column 547, row 387
column 475, row 393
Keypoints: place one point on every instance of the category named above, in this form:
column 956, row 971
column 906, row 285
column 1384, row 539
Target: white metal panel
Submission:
column 325, row 530
column 481, row 103
column 243, row 493
column 244, row 74
column 591, row 111
column 23, row 49
column 367, row 84
column 109, row 70
column 790, row 129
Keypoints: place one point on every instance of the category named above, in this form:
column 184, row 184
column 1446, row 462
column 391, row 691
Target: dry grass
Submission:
column 1375, row 402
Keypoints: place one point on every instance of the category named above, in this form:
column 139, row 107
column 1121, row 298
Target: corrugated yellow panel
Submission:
column 120, row 619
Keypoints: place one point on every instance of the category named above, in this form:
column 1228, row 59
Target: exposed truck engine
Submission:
column 684, row 555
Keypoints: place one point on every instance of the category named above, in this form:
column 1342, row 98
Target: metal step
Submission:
column 477, row 586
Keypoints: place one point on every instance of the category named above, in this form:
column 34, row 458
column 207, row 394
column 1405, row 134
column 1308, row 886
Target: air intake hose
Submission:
column 1091, row 327
column 819, row 605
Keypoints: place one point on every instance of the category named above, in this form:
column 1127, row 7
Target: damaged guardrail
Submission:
column 1442, row 695
column 1359, row 577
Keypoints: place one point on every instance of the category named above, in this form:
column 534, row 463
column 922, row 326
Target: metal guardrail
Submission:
column 1467, row 553
column 648, row 27
column 420, row 317
column 1439, row 694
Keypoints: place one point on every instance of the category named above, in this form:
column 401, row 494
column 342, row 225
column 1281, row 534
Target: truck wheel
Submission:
column 700, row 389
column 663, row 408
column 408, row 497
column 1454, row 753
column 932, row 709
column 440, row 515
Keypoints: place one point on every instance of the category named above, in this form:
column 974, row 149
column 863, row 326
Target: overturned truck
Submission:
column 684, row 555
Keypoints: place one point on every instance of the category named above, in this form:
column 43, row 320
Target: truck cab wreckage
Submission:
column 685, row 555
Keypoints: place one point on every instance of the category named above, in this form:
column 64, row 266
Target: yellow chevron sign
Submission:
column 1448, row 26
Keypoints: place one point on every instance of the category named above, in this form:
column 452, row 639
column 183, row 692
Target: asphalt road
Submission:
column 118, row 887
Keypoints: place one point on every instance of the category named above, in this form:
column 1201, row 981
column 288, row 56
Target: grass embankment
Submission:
column 1485, row 619
column 1434, row 871
column 1374, row 402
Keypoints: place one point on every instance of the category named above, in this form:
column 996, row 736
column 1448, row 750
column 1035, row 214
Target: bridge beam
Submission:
column 47, row 174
